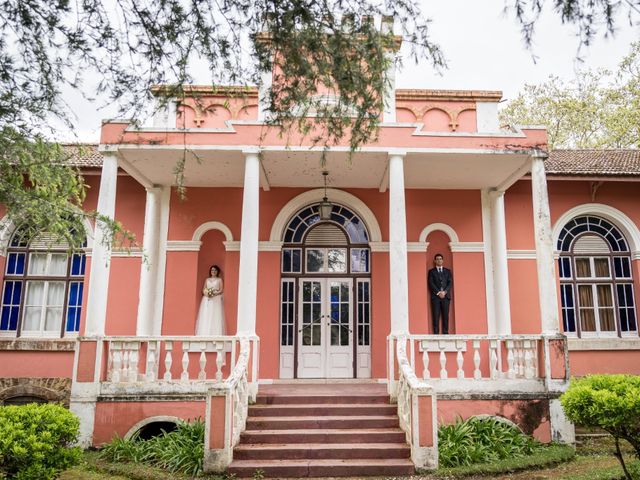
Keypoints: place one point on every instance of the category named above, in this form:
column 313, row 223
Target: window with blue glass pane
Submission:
column 564, row 264
column 10, row 305
column 78, row 264
column 74, row 306
column 15, row 263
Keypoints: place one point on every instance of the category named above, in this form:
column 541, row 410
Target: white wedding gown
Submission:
column 210, row 320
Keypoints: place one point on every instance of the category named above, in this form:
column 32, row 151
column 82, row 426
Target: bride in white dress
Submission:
column 210, row 320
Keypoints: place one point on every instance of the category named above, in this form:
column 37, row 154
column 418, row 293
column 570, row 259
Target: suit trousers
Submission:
column 440, row 306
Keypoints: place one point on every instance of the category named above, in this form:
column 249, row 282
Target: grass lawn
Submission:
column 594, row 460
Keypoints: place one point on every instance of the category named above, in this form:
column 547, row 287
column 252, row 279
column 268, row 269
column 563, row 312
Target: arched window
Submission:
column 43, row 285
column 596, row 279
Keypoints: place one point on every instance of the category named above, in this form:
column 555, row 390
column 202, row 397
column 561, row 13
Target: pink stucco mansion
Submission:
column 328, row 333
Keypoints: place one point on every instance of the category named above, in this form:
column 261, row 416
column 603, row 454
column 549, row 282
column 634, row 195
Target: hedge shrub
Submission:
column 36, row 441
column 609, row 402
column 481, row 440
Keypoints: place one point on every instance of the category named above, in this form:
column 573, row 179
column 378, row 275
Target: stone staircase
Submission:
column 342, row 430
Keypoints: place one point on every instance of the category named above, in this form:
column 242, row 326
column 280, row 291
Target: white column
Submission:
column 500, row 267
column 398, row 273
column 101, row 254
column 248, row 275
column 389, row 115
column 266, row 80
column 153, row 268
column 544, row 247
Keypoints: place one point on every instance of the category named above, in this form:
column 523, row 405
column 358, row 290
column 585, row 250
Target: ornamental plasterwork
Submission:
column 419, row 111
column 201, row 109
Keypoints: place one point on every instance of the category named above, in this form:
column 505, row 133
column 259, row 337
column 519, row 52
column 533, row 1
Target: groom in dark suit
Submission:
column 440, row 282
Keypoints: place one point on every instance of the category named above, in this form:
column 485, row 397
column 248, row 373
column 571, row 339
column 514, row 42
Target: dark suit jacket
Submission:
column 440, row 281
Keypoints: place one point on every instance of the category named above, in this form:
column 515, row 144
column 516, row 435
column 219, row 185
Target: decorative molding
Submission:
column 184, row 245
column 133, row 253
column 212, row 225
column 619, row 219
column 451, row 233
column 38, row 344
column 467, row 247
column 313, row 196
column 521, row 254
column 232, row 246
column 635, row 255
column 612, row 343
column 379, row 246
column 269, row 246
column 417, row 247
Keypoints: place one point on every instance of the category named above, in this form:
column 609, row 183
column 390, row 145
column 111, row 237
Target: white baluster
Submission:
column 168, row 360
column 219, row 360
column 184, row 376
column 520, row 360
column 460, row 358
column 133, row 363
column 150, row 369
column 202, row 374
column 528, row 360
column 110, row 361
column 124, row 372
column 425, row 363
column 477, row 374
column 117, row 363
column 443, row 364
column 510, row 360
column 493, row 359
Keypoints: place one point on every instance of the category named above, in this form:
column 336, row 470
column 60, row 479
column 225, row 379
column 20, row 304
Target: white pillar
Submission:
column 500, row 267
column 544, row 247
column 389, row 115
column 152, row 271
column 101, row 254
column 266, row 80
column 398, row 272
column 248, row 275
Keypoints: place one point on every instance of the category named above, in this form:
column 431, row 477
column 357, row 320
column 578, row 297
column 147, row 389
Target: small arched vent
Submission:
column 591, row 244
column 326, row 234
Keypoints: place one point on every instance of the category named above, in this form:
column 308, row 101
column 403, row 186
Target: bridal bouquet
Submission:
column 210, row 292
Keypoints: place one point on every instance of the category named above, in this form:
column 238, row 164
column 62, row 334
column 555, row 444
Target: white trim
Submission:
column 7, row 228
column 485, row 204
column 269, row 246
column 212, row 225
column 148, row 420
column 417, row 246
column 124, row 253
column 453, row 236
column 232, row 246
column 521, row 254
column 184, row 245
column 467, row 247
column 612, row 343
column 158, row 305
column 619, row 219
column 379, row 246
column 313, row 196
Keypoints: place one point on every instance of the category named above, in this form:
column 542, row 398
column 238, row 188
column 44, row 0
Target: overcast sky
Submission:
column 484, row 50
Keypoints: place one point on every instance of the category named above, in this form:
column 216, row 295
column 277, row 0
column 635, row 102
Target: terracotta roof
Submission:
column 82, row 154
column 600, row 163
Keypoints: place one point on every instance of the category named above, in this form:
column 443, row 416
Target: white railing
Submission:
column 238, row 392
column 408, row 390
column 478, row 356
column 184, row 359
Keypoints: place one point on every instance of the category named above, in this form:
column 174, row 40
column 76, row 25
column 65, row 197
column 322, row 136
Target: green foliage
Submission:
column 609, row 402
column 179, row 451
column 36, row 441
column 600, row 109
column 481, row 440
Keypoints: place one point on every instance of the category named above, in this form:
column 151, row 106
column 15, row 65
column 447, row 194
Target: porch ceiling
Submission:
column 302, row 168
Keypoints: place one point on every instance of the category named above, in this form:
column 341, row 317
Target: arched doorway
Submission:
column 325, row 314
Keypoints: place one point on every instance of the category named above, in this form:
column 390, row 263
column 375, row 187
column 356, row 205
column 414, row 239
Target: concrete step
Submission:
column 319, row 451
column 294, row 410
column 321, row 399
column 312, row 422
column 321, row 468
column 327, row 435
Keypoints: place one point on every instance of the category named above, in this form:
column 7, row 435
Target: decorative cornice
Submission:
column 232, row 246
column 417, row 246
column 209, row 90
column 184, row 245
column 521, row 254
column 449, row 95
column 379, row 246
column 269, row 246
column 467, row 247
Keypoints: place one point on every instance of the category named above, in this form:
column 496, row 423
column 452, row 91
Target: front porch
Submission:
column 141, row 380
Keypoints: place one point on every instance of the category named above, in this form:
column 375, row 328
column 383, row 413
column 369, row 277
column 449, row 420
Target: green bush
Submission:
column 36, row 441
column 481, row 440
column 179, row 451
column 609, row 402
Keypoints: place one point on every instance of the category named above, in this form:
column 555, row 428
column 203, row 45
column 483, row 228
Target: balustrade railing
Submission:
column 478, row 356
column 170, row 358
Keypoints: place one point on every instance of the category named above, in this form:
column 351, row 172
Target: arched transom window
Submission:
column 596, row 279
column 42, row 289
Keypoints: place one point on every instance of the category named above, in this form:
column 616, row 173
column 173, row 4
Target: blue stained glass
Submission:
column 73, row 294
column 11, row 263
column 17, row 292
column 8, row 289
column 4, row 320
column 72, row 319
column 78, row 263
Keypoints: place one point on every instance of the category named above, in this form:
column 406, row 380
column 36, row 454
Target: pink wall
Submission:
column 268, row 313
column 116, row 418
column 380, row 313
column 604, row 361
column 34, row 364
column 124, row 288
column 523, row 292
